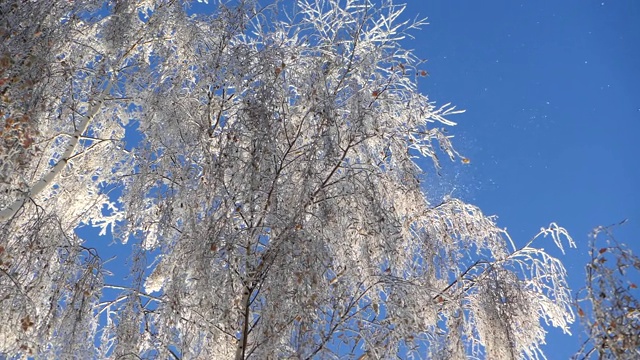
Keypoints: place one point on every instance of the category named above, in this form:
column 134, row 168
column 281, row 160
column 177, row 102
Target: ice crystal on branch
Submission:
column 274, row 203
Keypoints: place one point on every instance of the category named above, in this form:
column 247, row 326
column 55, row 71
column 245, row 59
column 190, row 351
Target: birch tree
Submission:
column 273, row 198
column 608, row 305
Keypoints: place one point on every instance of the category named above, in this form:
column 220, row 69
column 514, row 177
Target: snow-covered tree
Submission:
column 608, row 305
column 272, row 192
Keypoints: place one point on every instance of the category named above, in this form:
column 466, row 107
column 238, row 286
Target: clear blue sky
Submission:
column 552, row 93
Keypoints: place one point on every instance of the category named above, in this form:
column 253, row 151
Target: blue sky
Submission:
column 552, row 93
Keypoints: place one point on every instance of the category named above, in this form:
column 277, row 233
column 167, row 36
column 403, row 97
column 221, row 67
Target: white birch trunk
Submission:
column 244, row 317
column 48, row 178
